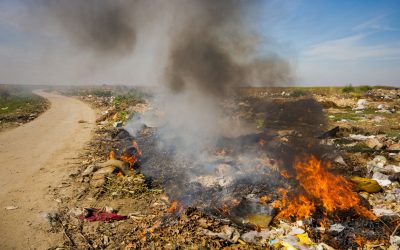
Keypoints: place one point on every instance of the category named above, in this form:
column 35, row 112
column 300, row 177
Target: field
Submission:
column 18, row 106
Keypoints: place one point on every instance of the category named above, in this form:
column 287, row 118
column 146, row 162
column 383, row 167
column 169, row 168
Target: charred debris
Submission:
column 291, row 182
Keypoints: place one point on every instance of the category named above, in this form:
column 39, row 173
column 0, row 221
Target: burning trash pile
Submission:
column 280, row 185
column 217, row 168
column 262, row 183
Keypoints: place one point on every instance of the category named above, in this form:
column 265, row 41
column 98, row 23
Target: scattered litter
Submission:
column 340, row 160
column 395, row 240
column 77, row 211
column 382, row 179
column 365, row 184
column 254, row 236
column 378, row 162
column 360, row 137
column 394, row 147
column 373, row 143
column 304, row 239
column 117, row 124
column 323, row 246
column 360, row 104
column 296, row 230
column 93, row 214
column 228, row 233
column 384, row 212
column 11, row 207
column 329, row 134
column 90, row 169
column 337, row 228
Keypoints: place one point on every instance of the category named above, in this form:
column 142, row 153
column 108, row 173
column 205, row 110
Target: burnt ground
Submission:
column 147, row 193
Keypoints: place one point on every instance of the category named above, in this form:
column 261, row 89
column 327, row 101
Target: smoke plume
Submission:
column 215, row 50
column 106, row 27
column 202, row 50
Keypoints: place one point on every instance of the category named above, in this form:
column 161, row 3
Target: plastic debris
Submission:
column 228, row 233
column 11, row 207
column 254, row 236
column 93, row 214
column 365, row 184
column 382, row 179
column 304, row 239
column 384, row 212
column 360, row 137
column 337, row 228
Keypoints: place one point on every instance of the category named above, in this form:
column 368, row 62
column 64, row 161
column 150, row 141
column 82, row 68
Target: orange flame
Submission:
column 111, row 155
column 152, row 229
column 173, row 207
column 264, row 199
column 261, row 142
column 284, row 174
column 319, row 188
column 132, row 159
column 361, row 241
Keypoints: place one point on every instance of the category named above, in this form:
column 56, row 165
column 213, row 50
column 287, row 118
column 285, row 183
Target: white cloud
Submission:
column 374, row 24
column 351, row 48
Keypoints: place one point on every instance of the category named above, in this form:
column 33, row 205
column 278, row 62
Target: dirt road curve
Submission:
column 34, row 158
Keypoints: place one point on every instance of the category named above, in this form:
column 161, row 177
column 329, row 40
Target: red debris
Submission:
column 93, row 214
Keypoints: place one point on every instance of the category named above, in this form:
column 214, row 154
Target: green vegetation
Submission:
column 128, row 99
column 302, row 91
column 19, row 106
column 348, row 89
column 359, row 90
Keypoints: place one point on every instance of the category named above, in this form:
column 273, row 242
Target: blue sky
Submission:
column 327, row 42
column 338, row 42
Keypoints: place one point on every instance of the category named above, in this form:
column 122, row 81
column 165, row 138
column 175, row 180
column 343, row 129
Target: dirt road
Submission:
column 34, row 158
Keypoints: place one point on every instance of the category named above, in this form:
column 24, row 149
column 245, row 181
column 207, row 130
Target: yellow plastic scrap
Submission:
column 287, row 246
column 303, row 238
column 242, row 242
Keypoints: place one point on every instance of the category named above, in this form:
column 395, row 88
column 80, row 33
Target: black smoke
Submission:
column 104, row 27
column 216, row 50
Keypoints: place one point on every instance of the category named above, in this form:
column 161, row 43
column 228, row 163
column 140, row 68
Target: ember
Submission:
column 111, row 155
column 173, row 207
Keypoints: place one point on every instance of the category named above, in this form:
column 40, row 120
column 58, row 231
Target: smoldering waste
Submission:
column 256, row 189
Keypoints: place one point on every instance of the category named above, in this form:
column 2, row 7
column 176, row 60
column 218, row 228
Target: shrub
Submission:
column 349, row 88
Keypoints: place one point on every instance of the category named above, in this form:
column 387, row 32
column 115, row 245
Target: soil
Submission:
column 35, row 158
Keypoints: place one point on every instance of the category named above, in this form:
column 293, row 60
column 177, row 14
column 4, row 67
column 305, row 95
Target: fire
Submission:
column 111, row 155
column 128, row 158
column 173, row 207
column 264, row 199
column 319, row 188
column 284, row 174
column 361, row 241
column 299, row 206
column 132, row 159
column 152, row 229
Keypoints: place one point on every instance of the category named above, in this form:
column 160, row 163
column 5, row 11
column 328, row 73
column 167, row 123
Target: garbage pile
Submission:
column 119, row 173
